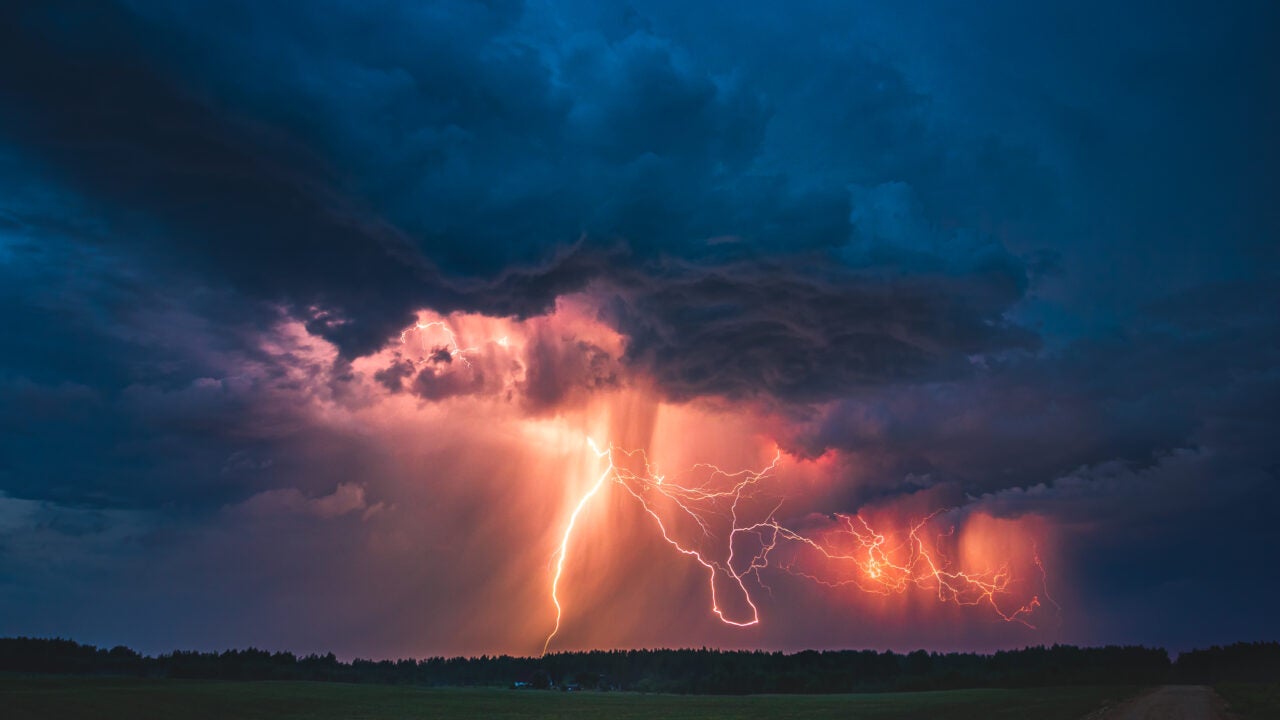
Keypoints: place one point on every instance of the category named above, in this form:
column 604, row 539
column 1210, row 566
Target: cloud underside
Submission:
column 725, row 276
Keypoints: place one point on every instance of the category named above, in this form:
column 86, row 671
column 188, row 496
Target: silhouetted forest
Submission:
column 680, row 671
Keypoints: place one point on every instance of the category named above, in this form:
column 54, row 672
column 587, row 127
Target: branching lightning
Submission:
column 853, row 554
column 451, row 349
column 727, row 523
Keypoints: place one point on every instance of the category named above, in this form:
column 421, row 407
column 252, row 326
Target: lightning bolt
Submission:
column 738, row 534
column 452, row 347
column 568, row 533
column 866, row 558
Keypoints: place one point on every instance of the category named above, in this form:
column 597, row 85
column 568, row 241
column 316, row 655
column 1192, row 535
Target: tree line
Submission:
column 680, row 671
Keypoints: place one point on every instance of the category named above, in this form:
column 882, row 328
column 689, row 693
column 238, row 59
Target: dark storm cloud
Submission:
column 1020, row 256
column 1198, row 371
column 798, row 331
column 88, row 98
column 558, row 367
column 461, row 163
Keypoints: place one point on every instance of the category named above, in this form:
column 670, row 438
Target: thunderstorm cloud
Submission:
column 291, row 293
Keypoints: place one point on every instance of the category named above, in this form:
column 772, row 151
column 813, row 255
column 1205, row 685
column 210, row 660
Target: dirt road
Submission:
column 1172, row 702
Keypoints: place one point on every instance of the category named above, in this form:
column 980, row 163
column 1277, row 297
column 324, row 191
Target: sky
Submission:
column 402, row 329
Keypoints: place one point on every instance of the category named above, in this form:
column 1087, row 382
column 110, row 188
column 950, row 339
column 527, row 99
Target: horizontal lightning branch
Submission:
column 727, row 523
column 852, row 554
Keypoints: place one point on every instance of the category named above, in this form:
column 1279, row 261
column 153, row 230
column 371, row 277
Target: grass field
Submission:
column 1255, row 701
column 75, row 698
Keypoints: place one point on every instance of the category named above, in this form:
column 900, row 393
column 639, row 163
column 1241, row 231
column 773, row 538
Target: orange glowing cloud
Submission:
column 625, row 517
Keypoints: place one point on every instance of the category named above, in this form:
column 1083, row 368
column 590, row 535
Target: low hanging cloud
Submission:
column 798, row 331
column 346, row 498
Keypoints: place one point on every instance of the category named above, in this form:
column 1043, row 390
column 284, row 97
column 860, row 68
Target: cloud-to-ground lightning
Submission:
column 568, row 533
column 728, row 522
column 862, row 557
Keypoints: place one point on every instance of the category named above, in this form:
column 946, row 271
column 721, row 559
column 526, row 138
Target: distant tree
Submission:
column 681, row 671
column 919, row 663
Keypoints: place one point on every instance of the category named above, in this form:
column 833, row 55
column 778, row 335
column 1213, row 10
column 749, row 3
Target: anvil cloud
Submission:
column 308, row 311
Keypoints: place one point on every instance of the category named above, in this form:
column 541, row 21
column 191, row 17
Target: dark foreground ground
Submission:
column 1234, row 701
column 1171, row 702
column 74, row 698
column 1253, row 701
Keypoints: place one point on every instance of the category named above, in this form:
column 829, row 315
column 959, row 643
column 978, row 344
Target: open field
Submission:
column 1253, row 701
column 76, row 698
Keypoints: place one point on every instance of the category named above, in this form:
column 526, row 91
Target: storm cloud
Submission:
column 933, row 251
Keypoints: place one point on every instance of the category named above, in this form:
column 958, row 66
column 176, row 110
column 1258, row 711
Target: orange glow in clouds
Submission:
column 743, row 530
column 851, row 553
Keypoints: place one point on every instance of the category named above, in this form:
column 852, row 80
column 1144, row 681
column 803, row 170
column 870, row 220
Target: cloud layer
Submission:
column 313, row 287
